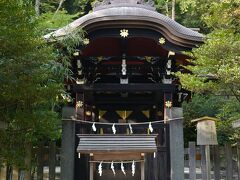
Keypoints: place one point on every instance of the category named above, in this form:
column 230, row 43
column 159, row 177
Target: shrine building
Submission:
column 126, row 120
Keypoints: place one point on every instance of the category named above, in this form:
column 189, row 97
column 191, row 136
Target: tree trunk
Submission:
column 37, row 7
column 28, row 159
column 173, row 9
column 167, row 11
column 59, row 6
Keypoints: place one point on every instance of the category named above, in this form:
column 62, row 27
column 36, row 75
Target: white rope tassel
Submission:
column 114, row 129
column 150, row 127
column 154, row 154
column 112, row 167
column 133, row 168
column 100, row 169
column 122, row 168
column 94, row 127
column 79, row 155
column 130, row 127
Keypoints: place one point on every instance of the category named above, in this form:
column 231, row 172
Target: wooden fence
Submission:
column 224, row 162
column 48, row 166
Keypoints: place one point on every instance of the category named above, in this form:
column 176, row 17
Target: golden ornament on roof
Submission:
column 162, row 40
column 124, row 33
column 86, row 41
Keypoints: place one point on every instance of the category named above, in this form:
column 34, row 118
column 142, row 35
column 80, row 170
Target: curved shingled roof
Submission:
column 124, row 15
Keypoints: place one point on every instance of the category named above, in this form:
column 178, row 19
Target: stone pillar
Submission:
column 68, row 144
column 176, row 144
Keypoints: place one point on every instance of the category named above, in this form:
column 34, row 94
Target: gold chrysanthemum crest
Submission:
column 162, row 40
column 86, row 41
column 124, row 33
column 168, row 104
column 79, row 104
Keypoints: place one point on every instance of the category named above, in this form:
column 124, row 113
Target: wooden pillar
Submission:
column 208, row 162
column 228, row 152
column 216, row 162
column 205, row 162
column 68, row 144
column 91, row 173
column 52, row 160
column 192, row 160
column 28, row 160
column 40, row 165
column 143, row 167
column 238, row 159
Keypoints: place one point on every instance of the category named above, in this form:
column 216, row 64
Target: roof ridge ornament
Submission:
column 116, row 3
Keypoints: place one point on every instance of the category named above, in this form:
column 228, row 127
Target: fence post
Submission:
column 208, row 161
column 216, row 162
column 52, row 160
column 238, row 160
column 205, row 162
column 15, row 173
column 3, row 173
column 192, row 160
column 40, row 163
column 228, row 152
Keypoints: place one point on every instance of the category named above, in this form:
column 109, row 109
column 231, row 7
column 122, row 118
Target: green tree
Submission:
column 217, row 61
column 31, row 83
column 226, row 109
column 216, row 67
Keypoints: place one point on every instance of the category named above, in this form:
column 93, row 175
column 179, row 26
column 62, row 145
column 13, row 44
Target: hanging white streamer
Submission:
column 150, row 127
column 130, row 127
column 113, row 170
column 122, row 168
column 114, row 129
column 79, row 155
column 133, row 168
column 94, row 127
column 100, row 169
column 154, row 154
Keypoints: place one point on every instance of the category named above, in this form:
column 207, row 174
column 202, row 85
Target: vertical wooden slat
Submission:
column 28, row 158
column 52, row 160
column 91, row 171
column 228, row 152
column 238, row 160
column 192, row 161
column 15, row 173
column 40, row 165
column 20, row 175
column 142, row 171
column 3, row 173
column 216, row 162
column 203, row 163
